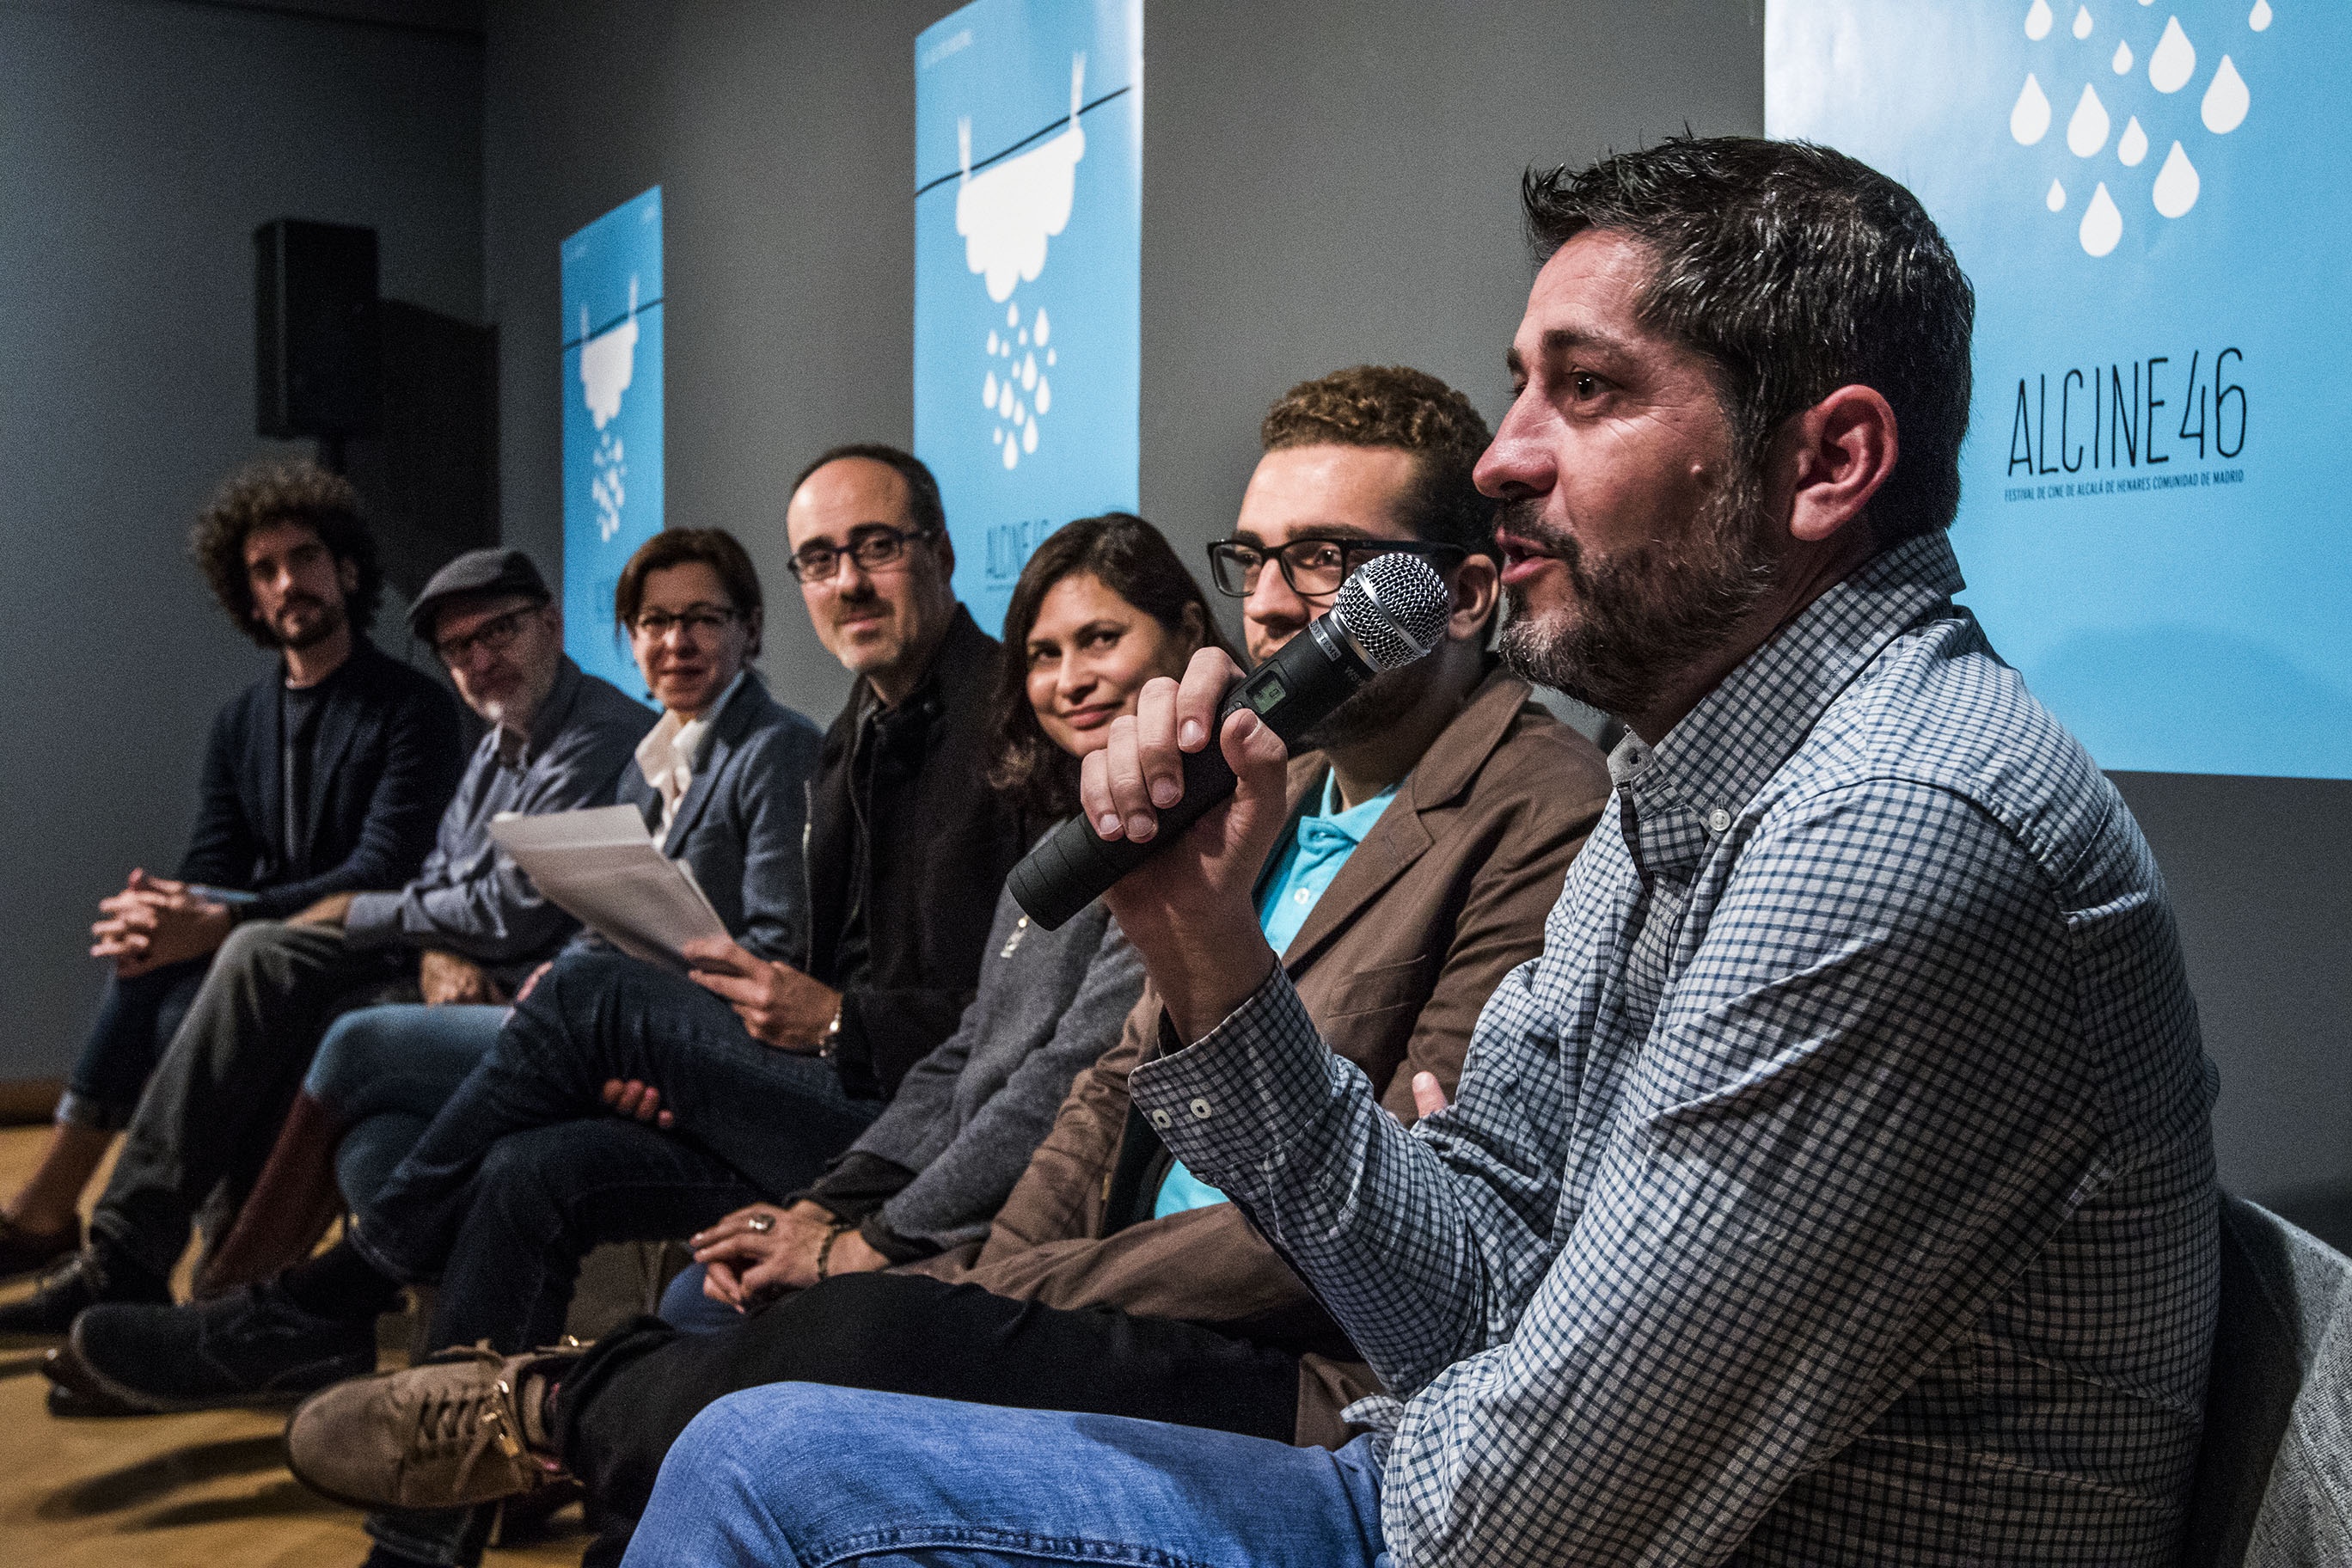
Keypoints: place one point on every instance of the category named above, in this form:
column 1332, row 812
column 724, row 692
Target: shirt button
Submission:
column 1199, row 1111
column 1021, row 924
column 1718, row 820
column 1299, row 897
column 1160, row 1118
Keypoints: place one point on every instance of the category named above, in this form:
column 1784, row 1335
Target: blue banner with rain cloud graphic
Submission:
column 1028, row 268
column 2151, row 201
column 611, row 289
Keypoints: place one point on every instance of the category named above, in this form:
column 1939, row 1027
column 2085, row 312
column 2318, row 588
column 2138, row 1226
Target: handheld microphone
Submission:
column 1391, row 611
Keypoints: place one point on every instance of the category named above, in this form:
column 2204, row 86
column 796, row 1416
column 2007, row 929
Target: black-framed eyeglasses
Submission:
column 874, row 546
column 695, row 620
column 1314, row 567
column 494, row 636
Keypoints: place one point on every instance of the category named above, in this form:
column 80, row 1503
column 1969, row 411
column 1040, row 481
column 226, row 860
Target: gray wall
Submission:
column 140, row 145
column 1324, row 183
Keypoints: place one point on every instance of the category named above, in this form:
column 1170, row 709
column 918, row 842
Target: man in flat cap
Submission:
column 466, row 929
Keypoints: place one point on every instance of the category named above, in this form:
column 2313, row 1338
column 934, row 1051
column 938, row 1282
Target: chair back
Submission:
column 2274, row 1471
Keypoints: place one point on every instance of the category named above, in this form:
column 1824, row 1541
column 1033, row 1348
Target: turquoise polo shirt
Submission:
column 1319, row 846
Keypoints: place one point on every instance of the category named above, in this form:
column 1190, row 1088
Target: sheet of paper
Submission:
column 601, row 867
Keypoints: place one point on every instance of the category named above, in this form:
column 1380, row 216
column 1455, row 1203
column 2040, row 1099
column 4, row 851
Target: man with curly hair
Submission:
column 324, row 778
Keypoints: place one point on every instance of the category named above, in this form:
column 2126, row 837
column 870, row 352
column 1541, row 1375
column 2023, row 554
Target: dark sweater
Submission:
column 385, row 756
column 903, row 940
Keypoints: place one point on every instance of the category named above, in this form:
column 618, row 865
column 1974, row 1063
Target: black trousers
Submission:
column 627, row 1402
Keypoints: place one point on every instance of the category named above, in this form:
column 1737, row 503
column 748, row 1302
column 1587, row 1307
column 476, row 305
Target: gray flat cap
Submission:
column 477, row 571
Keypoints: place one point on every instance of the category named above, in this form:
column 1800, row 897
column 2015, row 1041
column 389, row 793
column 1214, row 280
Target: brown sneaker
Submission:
column 447, row 1433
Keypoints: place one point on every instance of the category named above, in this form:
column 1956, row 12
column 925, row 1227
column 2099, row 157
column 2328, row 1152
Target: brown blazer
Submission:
column 1445, row 896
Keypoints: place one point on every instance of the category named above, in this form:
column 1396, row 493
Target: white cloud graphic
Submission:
column 608, row 361
column 1007, row 214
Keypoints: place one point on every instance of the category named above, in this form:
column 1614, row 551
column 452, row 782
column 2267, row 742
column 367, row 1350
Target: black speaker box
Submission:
column 319, row 368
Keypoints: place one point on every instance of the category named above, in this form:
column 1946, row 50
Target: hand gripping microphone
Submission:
column 1391, row 611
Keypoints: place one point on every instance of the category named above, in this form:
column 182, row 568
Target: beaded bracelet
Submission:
column 825, row 1247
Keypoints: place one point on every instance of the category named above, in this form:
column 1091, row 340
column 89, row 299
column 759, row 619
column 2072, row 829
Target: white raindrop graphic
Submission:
column 2082, row 21
column 2056, row 200
column 2030, row 118
column 2259, row 17
column 2086, row 133
column 2174, row 60
column 2122, row 60
column 2176, row 184
column 1044, row 396
column 2131, row 147
column 1043, row 326
column 1052, row 354
column 1012, row 452
column 1012, row 315
column 2038, row 20
column 2102, row 224
column 2226, row 100
column 987, row 390
column 991, row 340
column 1029, row 436
column 1029, row 373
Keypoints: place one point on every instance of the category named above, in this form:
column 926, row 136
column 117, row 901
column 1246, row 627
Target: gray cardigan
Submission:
column 968, row 1116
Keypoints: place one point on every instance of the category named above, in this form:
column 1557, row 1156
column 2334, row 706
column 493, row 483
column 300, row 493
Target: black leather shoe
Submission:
column 81, row 1282
column 25, row 1251
column 255, row 1348
column 72, row 1394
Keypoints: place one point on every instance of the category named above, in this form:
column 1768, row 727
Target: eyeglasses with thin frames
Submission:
column 696, row 620
column 875, row 546
column 1313, row 566
column 494, row 636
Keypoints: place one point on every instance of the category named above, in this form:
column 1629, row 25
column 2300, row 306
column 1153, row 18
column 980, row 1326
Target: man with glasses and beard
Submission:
column 324, row 777
column 1836, row 1188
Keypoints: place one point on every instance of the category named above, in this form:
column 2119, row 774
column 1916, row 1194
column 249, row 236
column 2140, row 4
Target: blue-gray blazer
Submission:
column 740, row 826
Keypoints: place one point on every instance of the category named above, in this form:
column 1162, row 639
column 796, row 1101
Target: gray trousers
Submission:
column 211, row 1108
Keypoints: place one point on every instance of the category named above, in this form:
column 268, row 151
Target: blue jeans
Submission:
column 798, row 1475
column 136, row 1019
column 524, row 1169
column 684, row 1307
column 385, row 1072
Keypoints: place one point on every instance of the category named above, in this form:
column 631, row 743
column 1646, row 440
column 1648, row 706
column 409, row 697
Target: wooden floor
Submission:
column 167, row 1491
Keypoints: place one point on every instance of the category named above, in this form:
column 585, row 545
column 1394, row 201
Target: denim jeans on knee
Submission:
column 136, row 1019
column 773, row 1117
column 384, row 1072
column 797, row 1475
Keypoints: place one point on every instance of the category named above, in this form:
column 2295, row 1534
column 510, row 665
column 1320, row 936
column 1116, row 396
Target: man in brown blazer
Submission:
column 1430, row 833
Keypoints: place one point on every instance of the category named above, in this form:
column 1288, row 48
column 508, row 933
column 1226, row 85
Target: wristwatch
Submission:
column 832, row 1041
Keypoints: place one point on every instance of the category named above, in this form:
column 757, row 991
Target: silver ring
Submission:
column 762, row 1222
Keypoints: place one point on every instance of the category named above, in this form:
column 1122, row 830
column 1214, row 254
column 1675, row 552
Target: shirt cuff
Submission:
column 372, row 921
column 1230, row 1104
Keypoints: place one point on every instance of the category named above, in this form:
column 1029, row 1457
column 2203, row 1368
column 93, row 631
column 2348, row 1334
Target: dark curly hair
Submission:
column 261, row 494
column 1412, row 410
column 1793, row 270
column 1133, row 561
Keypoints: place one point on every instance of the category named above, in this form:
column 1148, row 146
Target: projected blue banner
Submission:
column 612, row 422
column 2150, row 200
column 1028, row 264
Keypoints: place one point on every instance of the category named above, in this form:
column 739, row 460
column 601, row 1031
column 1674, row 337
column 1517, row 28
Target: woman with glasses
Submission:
column 718, row 780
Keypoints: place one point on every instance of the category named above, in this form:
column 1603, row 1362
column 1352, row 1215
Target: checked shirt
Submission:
column 1836, row 1187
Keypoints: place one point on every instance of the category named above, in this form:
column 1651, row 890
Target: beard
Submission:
column 1640, row 618
column 326, row 623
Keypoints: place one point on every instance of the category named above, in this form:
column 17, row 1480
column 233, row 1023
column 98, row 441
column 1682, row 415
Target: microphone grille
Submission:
column 1394, row 607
